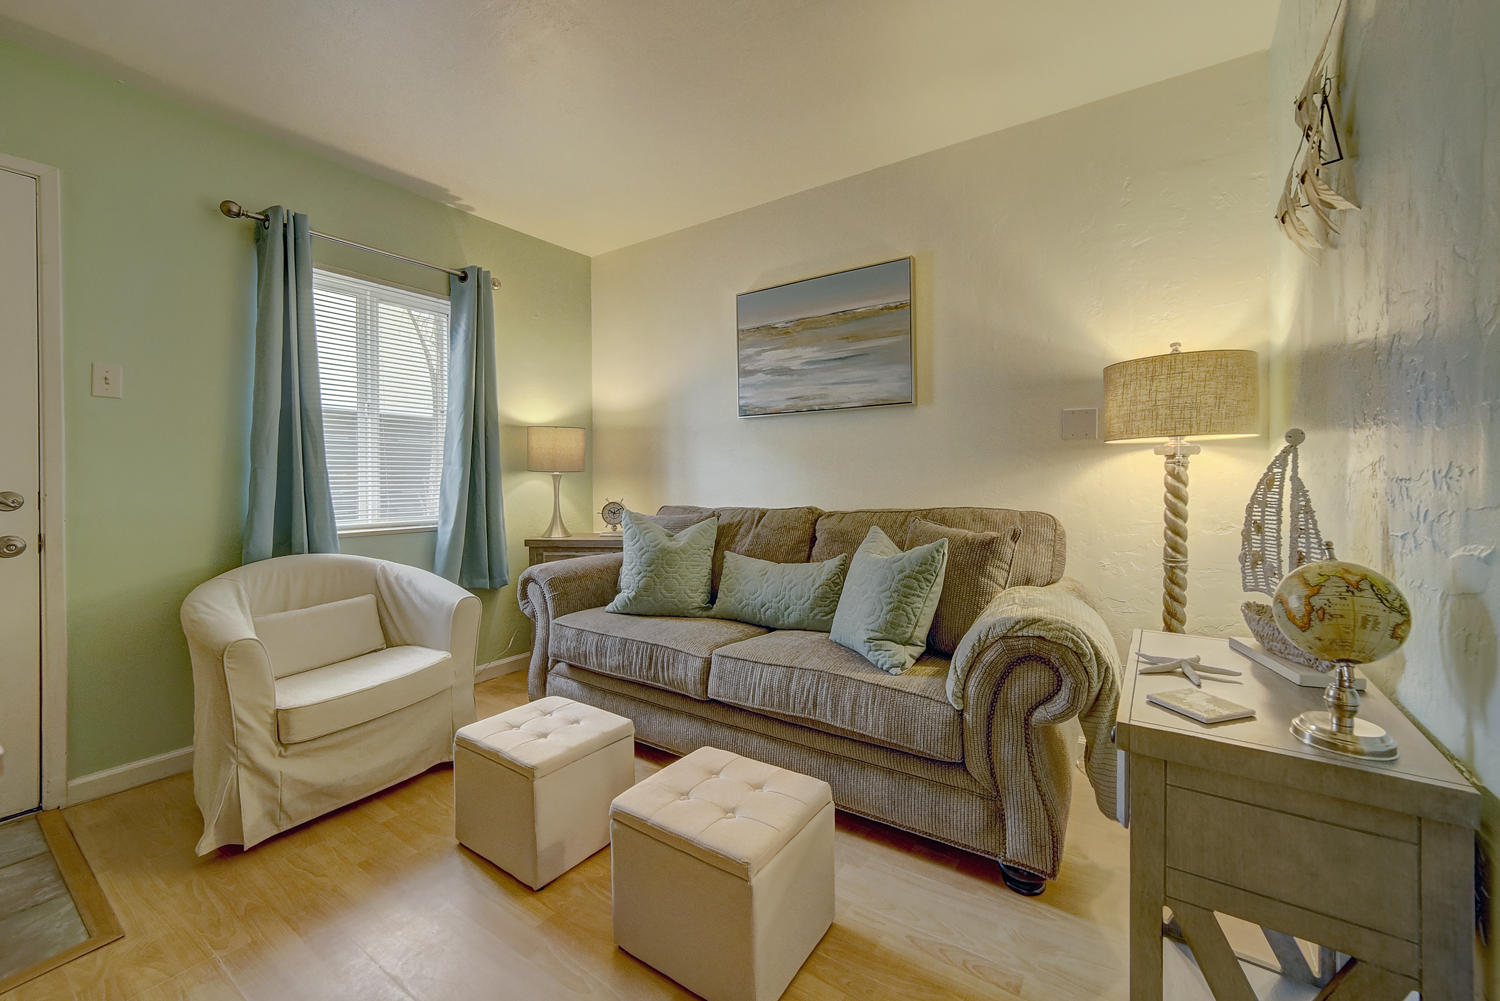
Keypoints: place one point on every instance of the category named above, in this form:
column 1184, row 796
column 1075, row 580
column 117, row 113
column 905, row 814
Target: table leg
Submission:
column 1148, row 787
column 1447, row 912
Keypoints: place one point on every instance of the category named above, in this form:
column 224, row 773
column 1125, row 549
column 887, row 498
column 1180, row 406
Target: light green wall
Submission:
column 158, row 281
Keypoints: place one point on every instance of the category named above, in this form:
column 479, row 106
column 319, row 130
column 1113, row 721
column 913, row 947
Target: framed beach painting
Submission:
column 830, row 343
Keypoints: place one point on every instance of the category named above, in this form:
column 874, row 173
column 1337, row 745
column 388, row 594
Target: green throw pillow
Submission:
column 665, row 574
column 780, row 595
column 889, row 600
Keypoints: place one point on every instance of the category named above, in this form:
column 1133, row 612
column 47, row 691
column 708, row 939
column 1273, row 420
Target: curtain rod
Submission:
column 234, row 211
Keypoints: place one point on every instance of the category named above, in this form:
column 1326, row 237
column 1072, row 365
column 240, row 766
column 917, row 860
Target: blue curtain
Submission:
column 471, row 513
column 291, row 508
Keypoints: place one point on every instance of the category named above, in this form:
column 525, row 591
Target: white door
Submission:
column 20, row 520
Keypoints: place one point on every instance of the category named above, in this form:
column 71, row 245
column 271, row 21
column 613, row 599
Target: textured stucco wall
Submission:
column 1388, row 348
column 1042, row 254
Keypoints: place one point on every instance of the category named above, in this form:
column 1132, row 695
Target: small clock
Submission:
column 613, row 513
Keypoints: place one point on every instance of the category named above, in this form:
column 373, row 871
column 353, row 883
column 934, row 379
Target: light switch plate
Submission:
column 109, row 380
column 1080, row 423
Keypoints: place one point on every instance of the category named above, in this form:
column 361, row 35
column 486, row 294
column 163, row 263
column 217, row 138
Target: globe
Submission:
column 1341, row 611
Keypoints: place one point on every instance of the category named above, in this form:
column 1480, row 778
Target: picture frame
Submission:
column 840, row 341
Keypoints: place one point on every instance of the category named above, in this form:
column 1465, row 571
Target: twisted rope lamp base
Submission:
column 1174, row 551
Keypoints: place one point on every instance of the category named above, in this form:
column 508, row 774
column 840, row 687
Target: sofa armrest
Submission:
column 549, row 591
column 1036, row 657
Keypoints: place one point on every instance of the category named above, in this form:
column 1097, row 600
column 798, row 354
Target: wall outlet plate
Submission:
column 109, row 380
column 1080, row 423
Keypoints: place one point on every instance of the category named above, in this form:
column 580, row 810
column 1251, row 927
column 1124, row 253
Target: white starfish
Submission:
column 1189, row 667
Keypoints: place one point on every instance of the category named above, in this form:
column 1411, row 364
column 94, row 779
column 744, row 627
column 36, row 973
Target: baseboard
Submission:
column 505, row 665
column 128, row 776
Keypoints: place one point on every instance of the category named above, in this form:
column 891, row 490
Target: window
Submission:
column 383, row 364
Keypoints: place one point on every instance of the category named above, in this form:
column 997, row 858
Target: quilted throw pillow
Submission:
column 889, row 600
column 978, row 569
column 780, row 595
column 665, row 574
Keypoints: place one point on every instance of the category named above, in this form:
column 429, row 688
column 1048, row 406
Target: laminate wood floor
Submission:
column 377, row 901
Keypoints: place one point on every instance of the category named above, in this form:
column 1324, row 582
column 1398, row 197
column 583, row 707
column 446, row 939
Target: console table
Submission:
column 577, row 544
column 1373, row 860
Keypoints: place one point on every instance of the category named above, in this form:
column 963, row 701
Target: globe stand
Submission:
column 1339, row 729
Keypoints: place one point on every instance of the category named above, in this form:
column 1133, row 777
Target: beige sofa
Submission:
column 993, row 776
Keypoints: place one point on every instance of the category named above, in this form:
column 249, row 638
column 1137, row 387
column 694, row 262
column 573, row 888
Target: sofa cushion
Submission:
column 670, row 653
column 319, row 635
column 780, row 595
column 777, row 534
column 1041, row 552
column 978, row 569
column 327, row 699
column 664, row 573
column 889, row 599
column 805, row 677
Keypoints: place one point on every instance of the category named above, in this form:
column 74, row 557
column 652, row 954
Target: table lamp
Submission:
column 556, row 451
column 1170, row 398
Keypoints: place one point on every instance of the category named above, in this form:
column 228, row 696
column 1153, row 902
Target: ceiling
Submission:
column 596, row 124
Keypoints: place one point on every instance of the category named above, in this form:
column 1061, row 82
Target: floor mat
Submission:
column 51, row 907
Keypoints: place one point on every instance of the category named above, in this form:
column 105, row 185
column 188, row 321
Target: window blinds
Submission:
column 383, row 365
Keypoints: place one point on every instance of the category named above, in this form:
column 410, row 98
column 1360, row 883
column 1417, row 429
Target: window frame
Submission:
column 367, row 412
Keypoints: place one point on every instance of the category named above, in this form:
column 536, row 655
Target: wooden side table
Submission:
column 577, row 544
column 1373, row 860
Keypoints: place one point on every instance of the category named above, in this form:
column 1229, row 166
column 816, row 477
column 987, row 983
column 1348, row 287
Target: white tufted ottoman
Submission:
column 532, row 786
column 723, row 873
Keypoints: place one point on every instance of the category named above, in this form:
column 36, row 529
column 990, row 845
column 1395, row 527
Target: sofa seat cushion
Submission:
column 661, row 651
column 805, row 677
column 328, row 699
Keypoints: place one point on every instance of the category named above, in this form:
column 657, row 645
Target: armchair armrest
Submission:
column 1037, row 656
column 548, row 591
column 426, row 610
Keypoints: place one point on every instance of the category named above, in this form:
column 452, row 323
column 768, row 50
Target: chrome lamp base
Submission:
column 1339, row 729
column 557, row 530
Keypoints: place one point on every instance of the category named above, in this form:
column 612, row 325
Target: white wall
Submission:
column 1389, row 345
column 1042, row 253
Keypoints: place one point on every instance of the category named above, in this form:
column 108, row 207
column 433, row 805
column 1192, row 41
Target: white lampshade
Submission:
column 1185, row 394
column 554, row 450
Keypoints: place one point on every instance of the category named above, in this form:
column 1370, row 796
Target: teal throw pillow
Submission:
column 780, row 595
column 889, row 600
column 663, row 573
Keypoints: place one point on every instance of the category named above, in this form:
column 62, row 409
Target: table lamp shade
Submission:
column 1187, row 394
column 554, row 450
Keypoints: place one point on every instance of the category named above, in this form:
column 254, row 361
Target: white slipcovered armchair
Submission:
column 318, row 680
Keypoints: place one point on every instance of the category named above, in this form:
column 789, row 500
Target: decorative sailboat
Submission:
column 1261, row 567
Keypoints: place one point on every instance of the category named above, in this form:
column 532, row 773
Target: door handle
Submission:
column 10, row 500
column 11, row 545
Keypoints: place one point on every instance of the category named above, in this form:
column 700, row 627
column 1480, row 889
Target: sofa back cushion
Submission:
column 777, row 534
column 1040, row 555
column 978, row 570
column 307, row 638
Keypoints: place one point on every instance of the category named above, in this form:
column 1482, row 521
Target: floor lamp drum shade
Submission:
column 1168, row 398
column 554, row 450
column 1185, row 394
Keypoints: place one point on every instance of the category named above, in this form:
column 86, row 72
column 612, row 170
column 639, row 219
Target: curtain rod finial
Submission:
column 231, row 209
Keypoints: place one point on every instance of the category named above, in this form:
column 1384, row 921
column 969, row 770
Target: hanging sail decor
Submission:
column 1261, row 568
column 1316, row 117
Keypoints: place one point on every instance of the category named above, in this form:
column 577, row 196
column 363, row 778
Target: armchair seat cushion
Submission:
column 328, row 699
column 660, row 651
column 804, row 677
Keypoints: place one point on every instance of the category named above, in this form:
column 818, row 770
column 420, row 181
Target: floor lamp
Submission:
column 1170, row 398
column 556, row 451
